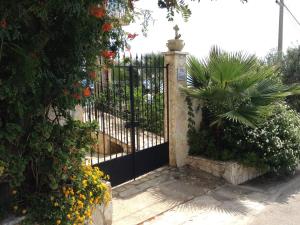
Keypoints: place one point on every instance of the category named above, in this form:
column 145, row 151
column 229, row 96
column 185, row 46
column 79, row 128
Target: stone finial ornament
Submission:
column 177, row 35
column 175, row 44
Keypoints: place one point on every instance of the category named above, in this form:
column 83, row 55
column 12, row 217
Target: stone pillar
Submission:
column 178, row 112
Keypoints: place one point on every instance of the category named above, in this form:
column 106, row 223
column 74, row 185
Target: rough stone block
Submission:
column 232, row 172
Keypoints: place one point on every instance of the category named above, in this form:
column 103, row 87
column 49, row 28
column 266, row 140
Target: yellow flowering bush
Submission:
column 76, row 201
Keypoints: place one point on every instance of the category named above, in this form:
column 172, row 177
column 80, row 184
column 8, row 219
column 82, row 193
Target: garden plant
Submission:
column 244, row 113
column 47, row 48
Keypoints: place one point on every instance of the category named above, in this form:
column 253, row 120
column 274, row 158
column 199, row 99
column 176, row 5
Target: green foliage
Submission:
column 277, row 141
column 290, row 69
column 291, row 73
column 148, row 95
column 273, row 145
column 242, row 97
column 178, row 6
column 46, row 49
column 73, row 203
column 235, row 87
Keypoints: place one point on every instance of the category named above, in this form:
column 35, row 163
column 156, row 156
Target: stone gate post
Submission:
column 178, row 113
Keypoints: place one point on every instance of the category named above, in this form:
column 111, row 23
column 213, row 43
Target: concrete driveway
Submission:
column 171, row 196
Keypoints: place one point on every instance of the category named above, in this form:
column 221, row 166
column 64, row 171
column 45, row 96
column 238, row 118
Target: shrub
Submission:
column 74, row 202
column 277, row 141
column 47, row 49
column 241, row 117
column 274, row 145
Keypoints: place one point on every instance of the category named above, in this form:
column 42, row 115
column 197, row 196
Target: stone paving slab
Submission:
column 218, row 207
column 183, row 196
column 158, row 192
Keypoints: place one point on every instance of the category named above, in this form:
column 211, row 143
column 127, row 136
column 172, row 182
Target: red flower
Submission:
column 76, row 96
column 3, row 24
column 132, row 36
column 108, row 54
column 87, row 92
column 97, row 11
column 93, row 74
column 106, row 27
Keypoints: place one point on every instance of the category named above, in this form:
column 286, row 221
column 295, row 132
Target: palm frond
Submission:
column 235, row 87
column 197, row 75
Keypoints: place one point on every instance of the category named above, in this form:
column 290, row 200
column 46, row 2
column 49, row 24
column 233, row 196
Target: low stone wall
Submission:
column 232, row 172
column 103, row 213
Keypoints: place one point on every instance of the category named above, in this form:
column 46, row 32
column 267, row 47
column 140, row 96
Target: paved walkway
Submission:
column 158, row 192
column 171, row 196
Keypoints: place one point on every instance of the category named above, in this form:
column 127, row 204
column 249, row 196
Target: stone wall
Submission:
column 232, row 172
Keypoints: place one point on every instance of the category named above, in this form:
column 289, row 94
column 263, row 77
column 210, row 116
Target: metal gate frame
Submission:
column 139, row 160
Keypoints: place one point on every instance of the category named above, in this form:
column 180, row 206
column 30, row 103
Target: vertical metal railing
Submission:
column 128, row 104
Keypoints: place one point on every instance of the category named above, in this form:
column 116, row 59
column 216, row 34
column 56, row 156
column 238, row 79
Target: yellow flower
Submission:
column 24, row 211
column 14, row 192
column 80, row 204
column 56, row 204
column 107, row 197
column 68, row 216
column 88, row 213
column 84, row 183
column 82, row 196
column 51, row 198
column 58, row 222
column 97, row 200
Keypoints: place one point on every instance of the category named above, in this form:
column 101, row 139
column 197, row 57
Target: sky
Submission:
column 229, row 24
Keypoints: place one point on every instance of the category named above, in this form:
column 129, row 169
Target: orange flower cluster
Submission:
column 106, row 27
column 87, row 92
column 108, row 54
column 98, row 12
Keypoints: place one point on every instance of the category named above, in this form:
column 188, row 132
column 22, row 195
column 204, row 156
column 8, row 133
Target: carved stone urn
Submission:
column 175, row 44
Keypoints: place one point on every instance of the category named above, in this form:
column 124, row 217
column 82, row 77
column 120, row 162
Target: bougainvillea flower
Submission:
column 108, row 54
column 87, row 92
column 106, row 27
column 93, row 74
column 98, row 12
column 3, row 24
column 132, row 36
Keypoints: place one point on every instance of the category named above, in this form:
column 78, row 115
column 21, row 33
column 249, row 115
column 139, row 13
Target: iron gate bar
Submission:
column 132, row 114
column 135, row 124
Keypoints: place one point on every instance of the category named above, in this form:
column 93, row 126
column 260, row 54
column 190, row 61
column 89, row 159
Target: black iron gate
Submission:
column 128, row 103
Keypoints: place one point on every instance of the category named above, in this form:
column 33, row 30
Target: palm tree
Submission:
column 235, row 87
